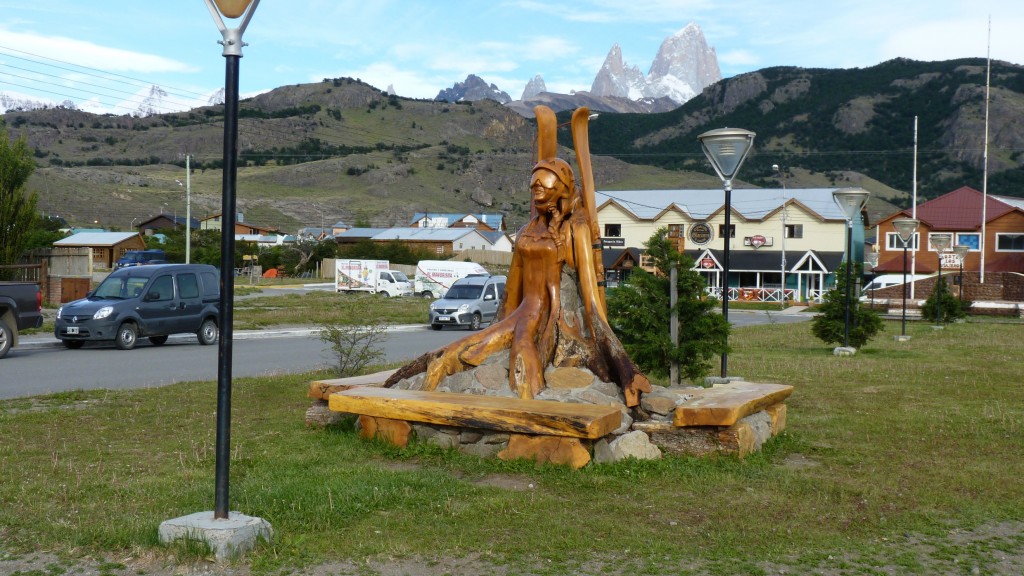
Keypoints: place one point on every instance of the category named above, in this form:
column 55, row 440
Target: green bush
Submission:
column 830, row 324
column 952, row 307
column 639, row 312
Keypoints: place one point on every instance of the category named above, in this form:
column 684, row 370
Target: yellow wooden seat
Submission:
column 726, row 404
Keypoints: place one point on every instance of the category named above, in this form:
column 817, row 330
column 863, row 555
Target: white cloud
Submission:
column 92, row 55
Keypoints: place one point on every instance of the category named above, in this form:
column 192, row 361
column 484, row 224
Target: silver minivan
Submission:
column 469, row 302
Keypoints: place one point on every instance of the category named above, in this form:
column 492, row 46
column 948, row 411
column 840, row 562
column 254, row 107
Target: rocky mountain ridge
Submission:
column 684, row 66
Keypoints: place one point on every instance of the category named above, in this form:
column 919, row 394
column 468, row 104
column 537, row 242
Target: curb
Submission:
column 35, row 341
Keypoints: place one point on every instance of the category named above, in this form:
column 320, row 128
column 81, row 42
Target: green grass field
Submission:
column 904, row 459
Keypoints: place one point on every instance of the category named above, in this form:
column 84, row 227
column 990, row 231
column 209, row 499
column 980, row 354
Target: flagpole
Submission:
column 984, row 172
column 913, row 214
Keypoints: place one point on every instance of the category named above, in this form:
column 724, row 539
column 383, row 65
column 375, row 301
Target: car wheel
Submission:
column 474, row 324
column 127, row 336
column 207, row 333
column 426, row 294
column 158, row 340
column 436, row 326
column 6, row 338
column 73, row 344
column 384, row 294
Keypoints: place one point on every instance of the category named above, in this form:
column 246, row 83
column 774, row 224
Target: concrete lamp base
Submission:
column 844, row 351
column 901, row 337
column 228, row 538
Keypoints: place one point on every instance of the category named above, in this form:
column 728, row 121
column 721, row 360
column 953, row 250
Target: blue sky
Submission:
column 107, row 50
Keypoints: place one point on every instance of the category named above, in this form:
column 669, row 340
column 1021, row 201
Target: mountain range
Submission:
column 344, row 150
column 684, row 66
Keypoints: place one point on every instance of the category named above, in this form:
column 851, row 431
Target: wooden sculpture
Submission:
column 553, row 313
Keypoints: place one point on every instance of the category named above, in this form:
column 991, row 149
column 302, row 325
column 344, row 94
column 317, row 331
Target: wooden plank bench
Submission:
column 501, row 414
column 322, row 389
column 726, row 404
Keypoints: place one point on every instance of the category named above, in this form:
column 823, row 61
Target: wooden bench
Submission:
column 322, row 389
column 503, row 414
column 725, row 404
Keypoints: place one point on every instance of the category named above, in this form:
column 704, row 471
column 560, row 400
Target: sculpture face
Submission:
column 547, row 190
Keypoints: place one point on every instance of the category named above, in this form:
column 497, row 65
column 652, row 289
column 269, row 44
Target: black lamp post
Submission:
column 941, row 243
column 232, row 42
column 851, row 201
column 961, row 251
column 726, row 148
column 905, row 228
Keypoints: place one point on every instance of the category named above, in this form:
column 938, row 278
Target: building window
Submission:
column 969, row 239
column 794, row 230
column 613, row 230
column 732, row 230
column 893, row 242
column 1009, row 242
column 675, row 230
column 439, row 249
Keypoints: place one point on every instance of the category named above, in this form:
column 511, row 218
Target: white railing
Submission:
column 753, row 294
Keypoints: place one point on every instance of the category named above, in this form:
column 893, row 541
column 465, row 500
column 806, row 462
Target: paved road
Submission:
column 44, row 366
column 41, row 365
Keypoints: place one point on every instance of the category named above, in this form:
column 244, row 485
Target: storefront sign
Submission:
column 701, row 233
column 756, row 241
column 707, row 263
column 613, row 242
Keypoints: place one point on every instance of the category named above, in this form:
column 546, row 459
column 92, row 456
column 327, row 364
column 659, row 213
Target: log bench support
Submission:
column 542, row 430
column 734, row 418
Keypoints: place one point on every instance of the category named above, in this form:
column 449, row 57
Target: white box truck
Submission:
column 434, row 277
column 373, row 276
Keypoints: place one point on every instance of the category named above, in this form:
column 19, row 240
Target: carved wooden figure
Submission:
column 554, row 312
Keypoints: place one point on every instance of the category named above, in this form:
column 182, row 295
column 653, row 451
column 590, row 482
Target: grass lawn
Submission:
column 904, row 459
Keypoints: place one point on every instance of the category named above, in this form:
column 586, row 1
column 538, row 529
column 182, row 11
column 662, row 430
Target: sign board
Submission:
column 949, row 261
column 605, row 242
column 707, row 263
column 701, row 233
column 757, row 240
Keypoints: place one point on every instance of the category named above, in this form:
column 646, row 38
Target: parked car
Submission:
column 886, row 280
column 469, row 302
column 140, row 257
column 144, row 302
column 20, row 309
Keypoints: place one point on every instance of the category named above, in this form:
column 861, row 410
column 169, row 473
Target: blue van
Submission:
column 140, row 257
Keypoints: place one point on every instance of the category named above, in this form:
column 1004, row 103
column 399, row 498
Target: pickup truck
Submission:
column 20, row 309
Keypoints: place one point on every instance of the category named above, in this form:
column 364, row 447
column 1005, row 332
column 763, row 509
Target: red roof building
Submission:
column 960, row 213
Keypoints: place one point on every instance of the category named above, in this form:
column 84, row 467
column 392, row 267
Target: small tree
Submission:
column 830, row 324
column 639, row 312
column 952, row 308
column 17, row 210
column 354, row 347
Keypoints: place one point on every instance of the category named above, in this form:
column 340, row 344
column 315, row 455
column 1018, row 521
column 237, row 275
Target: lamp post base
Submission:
column 844, row 351
column 901, row 337
column 228, row 538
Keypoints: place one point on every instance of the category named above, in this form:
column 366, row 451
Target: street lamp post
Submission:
column 782, row 180
column 228, row 534
column 188, row 209
column 232, row 42
column 941, row 243
column 851, row 201
column 961, row 251
column 905, row 228
column 726, row 148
